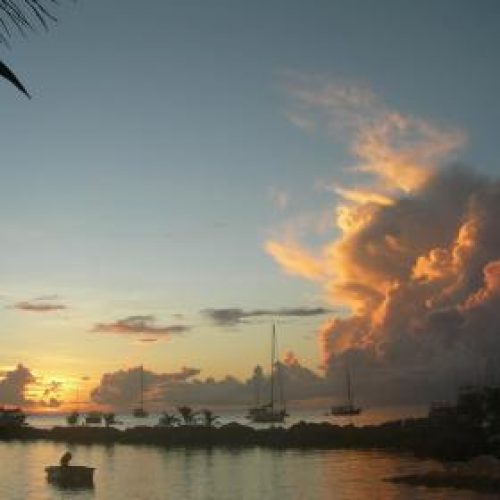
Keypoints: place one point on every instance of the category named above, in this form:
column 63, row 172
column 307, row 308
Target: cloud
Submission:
column 139, row 325
column 39, row 307
column 400, row 151
column 296, row 260
column 14, row 384
column 20, row 387
column 121, row 389
column 233, row 316
column 419, row 273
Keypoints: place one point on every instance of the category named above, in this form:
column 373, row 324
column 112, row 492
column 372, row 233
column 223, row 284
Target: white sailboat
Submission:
column 270, row 412
column 140, row 412
column 347, row 409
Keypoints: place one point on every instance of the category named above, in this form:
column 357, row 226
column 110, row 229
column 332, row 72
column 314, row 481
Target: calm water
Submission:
column 150, row 473
column 368, row 417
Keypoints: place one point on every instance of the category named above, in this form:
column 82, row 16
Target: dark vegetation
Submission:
column 422, row 437
column 460, row 432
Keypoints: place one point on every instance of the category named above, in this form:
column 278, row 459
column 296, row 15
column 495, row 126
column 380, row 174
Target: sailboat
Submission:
column 269, row 413
column 140, row 412
column 74, row 416
column 348, row 409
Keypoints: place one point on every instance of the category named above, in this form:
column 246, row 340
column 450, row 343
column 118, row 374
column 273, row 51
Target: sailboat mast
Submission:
column 348, row 381
column 142, row 388
column 273, row 354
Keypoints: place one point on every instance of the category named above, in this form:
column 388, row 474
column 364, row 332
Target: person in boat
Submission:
column 65, row 459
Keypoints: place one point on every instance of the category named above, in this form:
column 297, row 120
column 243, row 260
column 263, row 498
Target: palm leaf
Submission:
column 7, row 73
column 22, row 16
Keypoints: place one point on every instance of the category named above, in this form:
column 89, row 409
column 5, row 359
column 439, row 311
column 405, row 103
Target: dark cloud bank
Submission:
column 137, row 325
column 122, row 388
column 233, row 316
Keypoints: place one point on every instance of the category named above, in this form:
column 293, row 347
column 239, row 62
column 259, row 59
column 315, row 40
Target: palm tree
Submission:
column 187, row 414
column 209, row 419
column 22, row 16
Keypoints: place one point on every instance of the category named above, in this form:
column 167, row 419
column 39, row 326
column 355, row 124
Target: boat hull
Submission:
column 268, row 419
column 94, row 417
column 345, row 411
column 11, row 417
column 70, row 475
column 266, row 415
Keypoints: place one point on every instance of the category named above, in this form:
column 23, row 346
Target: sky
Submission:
column 188, row 173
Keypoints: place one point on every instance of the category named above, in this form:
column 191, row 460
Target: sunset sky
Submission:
column 186, row 173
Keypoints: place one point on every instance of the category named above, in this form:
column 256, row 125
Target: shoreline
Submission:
column 418, row 436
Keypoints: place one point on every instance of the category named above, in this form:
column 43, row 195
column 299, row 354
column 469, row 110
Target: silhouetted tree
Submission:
column 22, row 16
column 187, row 414
column 209, row 418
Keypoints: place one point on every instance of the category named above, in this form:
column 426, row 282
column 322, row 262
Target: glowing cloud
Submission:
column 418, row 267
column 296, row 260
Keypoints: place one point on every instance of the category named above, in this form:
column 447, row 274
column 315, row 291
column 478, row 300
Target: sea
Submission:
column 139, row 472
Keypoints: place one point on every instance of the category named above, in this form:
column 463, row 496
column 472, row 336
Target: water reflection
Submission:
column 150, row 473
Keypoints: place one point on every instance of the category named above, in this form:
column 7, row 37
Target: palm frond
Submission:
column 24, row 16
column 9, row 75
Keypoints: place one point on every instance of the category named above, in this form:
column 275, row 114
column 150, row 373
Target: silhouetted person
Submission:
column 65, row 459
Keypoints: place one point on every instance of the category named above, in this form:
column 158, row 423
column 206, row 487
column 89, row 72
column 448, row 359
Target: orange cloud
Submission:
column 290, row 359
column 403, row 152
column 491, row 289
column 364, row 196
column 415, row 255
column 295, row 260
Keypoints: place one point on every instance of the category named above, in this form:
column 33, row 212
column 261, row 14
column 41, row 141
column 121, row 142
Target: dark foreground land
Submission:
column 422, row 437
column 441, row 479
column 443, row 440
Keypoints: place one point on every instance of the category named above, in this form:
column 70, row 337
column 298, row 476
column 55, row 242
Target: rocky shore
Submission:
column 481, row 474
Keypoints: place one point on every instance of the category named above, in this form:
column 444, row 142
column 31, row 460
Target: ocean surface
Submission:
column 150, row 473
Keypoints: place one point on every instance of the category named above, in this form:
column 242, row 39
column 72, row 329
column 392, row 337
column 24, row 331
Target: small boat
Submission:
column 140, row 412
column 70, row 475
column 345, row 410
column 110, row 419
column 269, row 413
column 266, row 414
column 93, row 417
column 72, row 418
column 11, row 417
column 348, row 409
